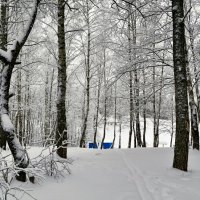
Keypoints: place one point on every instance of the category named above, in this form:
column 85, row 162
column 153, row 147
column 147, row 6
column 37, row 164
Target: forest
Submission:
column 76, row 76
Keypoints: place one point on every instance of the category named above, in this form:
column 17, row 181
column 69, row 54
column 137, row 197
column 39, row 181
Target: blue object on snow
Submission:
column 107, row 145
column 93, row 145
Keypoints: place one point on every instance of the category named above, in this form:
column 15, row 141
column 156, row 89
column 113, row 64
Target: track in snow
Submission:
column 137, row 179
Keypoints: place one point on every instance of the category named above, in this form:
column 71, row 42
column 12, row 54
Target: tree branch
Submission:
column 11, row 55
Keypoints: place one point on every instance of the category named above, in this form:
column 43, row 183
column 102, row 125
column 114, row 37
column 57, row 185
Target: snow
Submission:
column 6, row 123
column 5, row 55
column 164, row 136
column 121, row 174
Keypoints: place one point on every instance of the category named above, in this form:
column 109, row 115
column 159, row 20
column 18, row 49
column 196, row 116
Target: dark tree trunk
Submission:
column 97, row 109
column 84, row 129
column 105, row 122
column 157, row 124
column 19, row 109
column 156, row 136
column 131, row 110
column 46, row 102
column 182, row 119
column 61, row 130
column 3, row 45
column 136, row 81
column 105, row 101
column 115, row 116
column 120, row 132
column 48, row 106
column 28, row 110
column 172, row 123
column 7, row 128
column 130, row 80
column 144, row 108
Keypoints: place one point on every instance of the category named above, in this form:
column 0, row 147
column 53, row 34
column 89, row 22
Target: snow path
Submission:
column 137, row 179
column 126, row 174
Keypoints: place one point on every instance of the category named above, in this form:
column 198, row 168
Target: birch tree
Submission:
column 180, row 77
column 3, row 45
column 88, row 74
column 61, row 130
column 9, row 58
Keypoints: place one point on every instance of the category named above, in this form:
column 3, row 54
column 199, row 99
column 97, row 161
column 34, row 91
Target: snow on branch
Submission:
column 6, row 123
column 11, row 55
column 5, row 56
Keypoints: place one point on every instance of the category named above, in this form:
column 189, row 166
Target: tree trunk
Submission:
column 172, row 123
column 61, row 130
column 115, row 116
column 7, row 128
column 3, row 45
column 159, row 109
column 130, row 80
column 136, row 81
column 182, row 119
column 29, row 132
column 120, row 132
column 46, row 102
column 48, row 106
column 193, row 109
column 156, row 137
column 194, row 59
column 144, row 108
column 19, row 109
column 97, row 109
column 83, row 136
column 105, row 101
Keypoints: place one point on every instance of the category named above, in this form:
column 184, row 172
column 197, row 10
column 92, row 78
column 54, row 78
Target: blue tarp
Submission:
column 107, row 145
column 93, row 146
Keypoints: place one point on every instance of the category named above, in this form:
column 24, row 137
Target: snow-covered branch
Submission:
column 11, row 55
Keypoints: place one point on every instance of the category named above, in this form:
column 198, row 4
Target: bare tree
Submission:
column 9, row 58
column 3, row 45
column 88, row 78
column 61, row 130
column 180, row 76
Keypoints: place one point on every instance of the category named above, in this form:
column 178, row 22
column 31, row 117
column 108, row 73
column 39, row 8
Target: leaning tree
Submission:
column 9, row 59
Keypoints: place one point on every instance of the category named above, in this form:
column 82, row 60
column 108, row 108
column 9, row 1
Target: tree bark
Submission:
column 19, row 109
column 105, row 100
column 120, row 132
column 194, row 59
column 130, row 79
column 155, row 133
column 193, row 109
column 144, row 108
column 182, row 119
column 157, row 124
column 115, row 115
column 10, row 59
column 61, row 130
column 172, row 123
column 136, row 80
column 3, row 45
column 29, row 132
column 97, row 108
column 83, row 136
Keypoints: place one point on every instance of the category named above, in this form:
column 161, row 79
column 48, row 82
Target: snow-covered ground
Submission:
column 121, row 174
column 125, row 174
